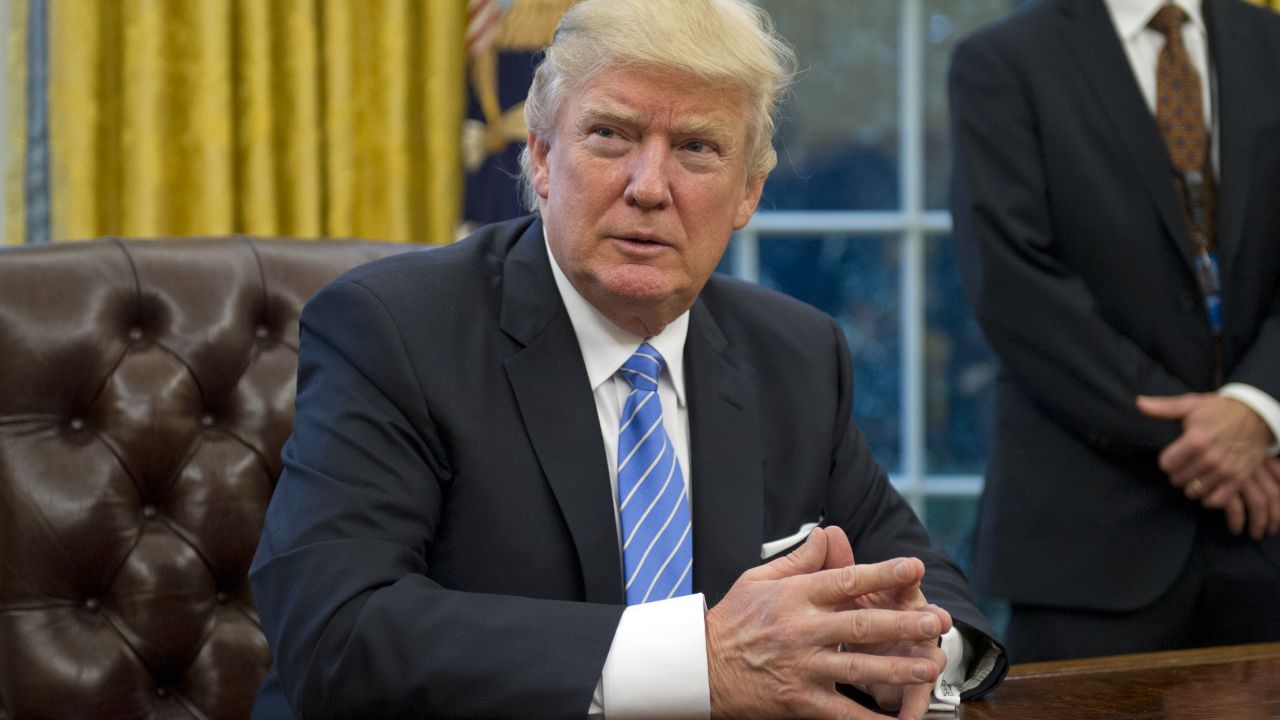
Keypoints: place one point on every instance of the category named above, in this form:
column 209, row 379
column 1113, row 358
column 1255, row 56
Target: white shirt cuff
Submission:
column 1260, row 402
column 946, row 690
column 657, row 664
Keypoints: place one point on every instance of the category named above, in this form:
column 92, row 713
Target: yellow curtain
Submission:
column 14, row 121
column 271, row 117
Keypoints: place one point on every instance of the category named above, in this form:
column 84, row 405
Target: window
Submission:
column 854, row 221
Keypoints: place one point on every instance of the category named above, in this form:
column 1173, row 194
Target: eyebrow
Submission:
column 695, row 126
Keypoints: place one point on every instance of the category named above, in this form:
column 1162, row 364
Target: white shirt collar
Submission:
column 605, row 346
column 1131, row 16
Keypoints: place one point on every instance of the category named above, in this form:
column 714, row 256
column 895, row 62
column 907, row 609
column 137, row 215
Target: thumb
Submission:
column 808, row 558
column 1173, row 407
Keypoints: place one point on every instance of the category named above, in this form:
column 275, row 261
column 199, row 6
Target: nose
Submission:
column 650, row 186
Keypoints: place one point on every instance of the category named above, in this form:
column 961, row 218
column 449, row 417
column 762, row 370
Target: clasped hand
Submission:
column 787, row 632
column 1220, row 459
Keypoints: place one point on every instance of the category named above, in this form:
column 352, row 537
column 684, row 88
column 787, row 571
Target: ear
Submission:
column 747, row 207
column 539, row 168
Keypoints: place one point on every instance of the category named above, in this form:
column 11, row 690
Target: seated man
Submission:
column 524, row 465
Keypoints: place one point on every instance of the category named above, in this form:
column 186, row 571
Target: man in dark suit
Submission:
column 454, row 534
column 1130, row 502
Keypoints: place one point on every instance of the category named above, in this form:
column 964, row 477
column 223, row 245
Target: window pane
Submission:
column 837, row 139
column 959, row 370
column 946, row 22
column 855, row 280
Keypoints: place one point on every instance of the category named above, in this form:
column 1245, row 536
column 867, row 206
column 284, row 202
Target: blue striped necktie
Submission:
column 653, row 503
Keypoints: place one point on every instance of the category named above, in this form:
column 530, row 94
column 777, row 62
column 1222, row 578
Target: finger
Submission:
column 1220, row 496
column 872, row 625
column 839, row 552
column 1184, row 461
column 832, row 587
column 1256, row 510
column 1271, row 488
column 1235, row 515
column 833, row 705
column 945, row 618
column 915, row 701
column 806, row 559
column 855, row 668
column 1170, row 407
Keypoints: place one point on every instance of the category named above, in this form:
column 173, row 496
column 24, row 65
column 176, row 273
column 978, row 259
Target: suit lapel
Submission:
column 728, row 470
column 1088, row 31
column 1236, row 80
column 553, row 392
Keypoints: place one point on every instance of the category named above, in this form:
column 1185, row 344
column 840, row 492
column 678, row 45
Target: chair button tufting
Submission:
column 222, row 598
column 149, row 512
column 135, row 334
column 92, row 604
column 162, row 693
column 262, row 332
column 206, row 420
column 77, row 424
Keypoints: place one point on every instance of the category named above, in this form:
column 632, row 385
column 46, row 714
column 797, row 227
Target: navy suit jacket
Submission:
column 1078, row 265
column 442, row 541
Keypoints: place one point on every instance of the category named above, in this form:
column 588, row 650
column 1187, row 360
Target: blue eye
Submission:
column 605, row 132
column 697, row 146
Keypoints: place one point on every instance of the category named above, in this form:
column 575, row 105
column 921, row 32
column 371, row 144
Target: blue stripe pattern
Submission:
column 653, row 503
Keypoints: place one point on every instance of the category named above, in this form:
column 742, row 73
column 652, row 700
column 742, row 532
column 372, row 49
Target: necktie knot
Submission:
column 643, row 368
column 1168, row 21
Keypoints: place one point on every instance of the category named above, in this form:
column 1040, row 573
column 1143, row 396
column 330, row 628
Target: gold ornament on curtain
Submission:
column 290, row 117
column 526, row 26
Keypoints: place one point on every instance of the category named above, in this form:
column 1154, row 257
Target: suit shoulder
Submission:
column 758, row 309
column 1023, row 30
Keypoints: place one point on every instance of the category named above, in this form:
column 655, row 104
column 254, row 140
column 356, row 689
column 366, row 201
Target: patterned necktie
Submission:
column 1180, row 117
column 657, row 549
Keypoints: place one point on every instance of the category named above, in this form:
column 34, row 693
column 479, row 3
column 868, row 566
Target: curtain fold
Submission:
column 14, row 123
column 271, row 117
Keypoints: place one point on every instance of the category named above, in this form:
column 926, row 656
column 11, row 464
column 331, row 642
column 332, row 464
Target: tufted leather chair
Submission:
column 146, row 388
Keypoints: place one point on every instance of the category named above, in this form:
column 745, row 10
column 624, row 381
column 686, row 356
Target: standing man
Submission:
column 525, row 464
column 1114, row 195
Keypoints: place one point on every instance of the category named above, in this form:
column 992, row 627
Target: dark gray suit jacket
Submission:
column 442, row 540
column 1079, row 268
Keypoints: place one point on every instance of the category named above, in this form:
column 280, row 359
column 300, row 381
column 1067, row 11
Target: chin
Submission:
column 643, row 285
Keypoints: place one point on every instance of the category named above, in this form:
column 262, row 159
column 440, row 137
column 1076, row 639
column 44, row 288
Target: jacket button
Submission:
column 1186, row 303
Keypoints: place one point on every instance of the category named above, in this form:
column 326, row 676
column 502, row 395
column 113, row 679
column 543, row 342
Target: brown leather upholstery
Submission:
column 146, row 388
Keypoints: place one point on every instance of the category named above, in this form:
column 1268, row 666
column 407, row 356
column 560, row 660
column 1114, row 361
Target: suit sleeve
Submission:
column 356, row 625
column 1039, row 317
column 881, row 525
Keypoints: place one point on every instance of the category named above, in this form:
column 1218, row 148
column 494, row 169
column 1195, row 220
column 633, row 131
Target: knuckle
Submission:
column 861, row 626
column 855, row 667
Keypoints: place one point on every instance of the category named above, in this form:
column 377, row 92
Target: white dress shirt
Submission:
column 1142, row 45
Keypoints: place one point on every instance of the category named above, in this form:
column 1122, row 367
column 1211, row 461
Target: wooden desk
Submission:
column 1232, row 683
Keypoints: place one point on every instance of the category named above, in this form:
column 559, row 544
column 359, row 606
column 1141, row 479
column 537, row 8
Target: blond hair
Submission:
column 727, row 42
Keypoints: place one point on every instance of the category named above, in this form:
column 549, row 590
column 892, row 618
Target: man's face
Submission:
column 640, row 186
